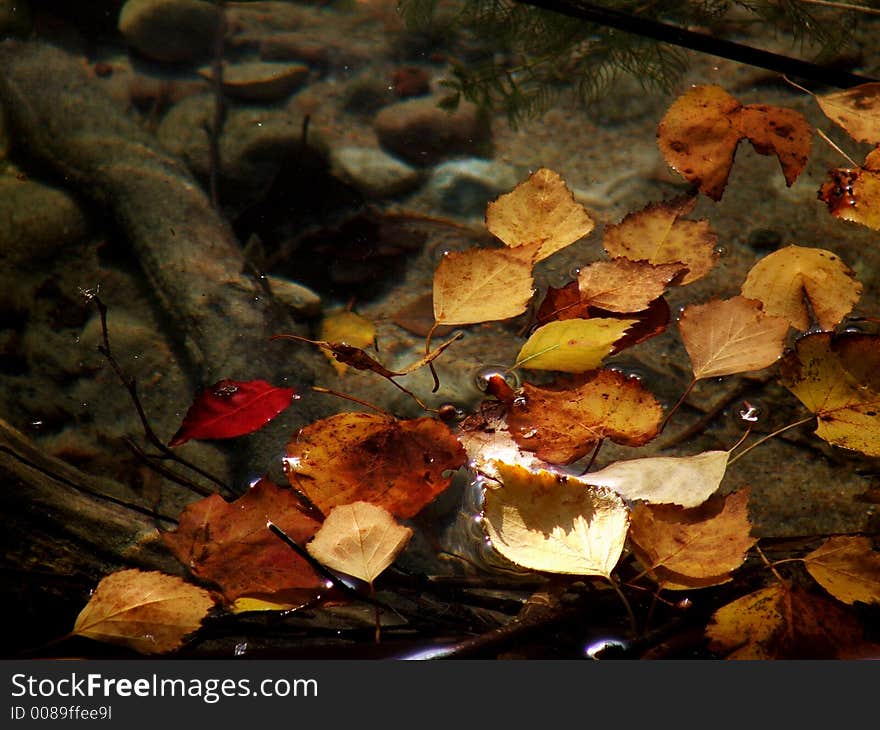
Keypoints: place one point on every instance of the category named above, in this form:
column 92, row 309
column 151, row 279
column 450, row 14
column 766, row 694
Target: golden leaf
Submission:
column 848, row 568
column 622, row 285
column 349, row 328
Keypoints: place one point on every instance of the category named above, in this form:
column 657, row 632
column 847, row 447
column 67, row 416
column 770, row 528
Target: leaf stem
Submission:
column 634, row 624
column 682, row 399
column 769, row 436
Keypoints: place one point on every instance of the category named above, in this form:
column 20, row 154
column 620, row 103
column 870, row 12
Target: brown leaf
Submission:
column 396, row 464
column 149, row 612
column 692, row 548
column 729, row 336
column 657, row 234
column 700, row 132
column 794, row 281
column 854, row 195
column 622, row 285
column 229, row 544
column 848, row 568
column 562, row 425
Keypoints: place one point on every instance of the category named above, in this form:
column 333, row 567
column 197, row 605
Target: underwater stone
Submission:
column 465, row 187
column 261, row 80
column 170, row 30
column 301, row 300
column 373, row 172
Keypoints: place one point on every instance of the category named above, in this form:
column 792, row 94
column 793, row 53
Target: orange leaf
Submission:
column 562, row 425
column 700, row 132
column 351, row 457
column 622, row 285
column 229, row 544
column 854, row 195
column 692, row 548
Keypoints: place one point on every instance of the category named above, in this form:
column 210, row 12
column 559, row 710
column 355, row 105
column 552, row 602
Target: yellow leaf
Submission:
column 684, row 480
column 856, row 109
column 572, row 345
column 835, row 377
column 539, row 216
column 657, row 235
column 729, row 336
column 545, row 521
column 622, row 285
column 359, row 539
column 848, row 568
column 149, row 612
column 854, row 195
column 349, row 328
column 481, row 285
column 795, row 280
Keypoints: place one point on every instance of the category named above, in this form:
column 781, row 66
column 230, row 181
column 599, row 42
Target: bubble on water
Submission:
column 241, row 649
column 750, row 412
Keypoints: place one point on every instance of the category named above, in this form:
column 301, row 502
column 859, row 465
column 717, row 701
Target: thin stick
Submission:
column 769, row 436
column 770, row 565
column 634, row 624
column 835, row 147
column 367, row 404
column 593, row 457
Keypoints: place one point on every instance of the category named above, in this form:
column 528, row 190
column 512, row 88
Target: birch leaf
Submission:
column 857, row 110
column 848, row 568
column 854, row 195
column 622, row 285
column 572, row 345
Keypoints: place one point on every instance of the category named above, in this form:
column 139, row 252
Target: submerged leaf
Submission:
column 346, row 328
column 848, row 568
column 572, row 345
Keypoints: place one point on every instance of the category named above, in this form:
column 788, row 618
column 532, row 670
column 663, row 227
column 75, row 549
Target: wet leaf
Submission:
column 149, row 612
column 229, row 544
column 782, row 623
column 658, row 235
column 572, row 345
column 359, row 539
column 794, row 281
column 486, row 439
column 687, row 481
column 856, row 109
column 548, row 522
column 564, row 424
column 854, row 195
column 835, row 377
column 848, row 568
column 562, row 303
column 346, row 328
column 701, row 130
column 481, row 285
column 622, row 285
column 692, row 548
column 400, row 465
column 538, row 217
column 726, row 336
column 232, row 408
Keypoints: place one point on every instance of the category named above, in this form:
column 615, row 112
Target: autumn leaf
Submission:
column 480, row 285
column 228, row 543
column 150, row 612
column 835, row 377
column 232, row 408
column 854, row 195
column 848, row 568
column 622, row 285
column 572, row 345
column 692, row 548
column 346, row 328
column 538, row 217
column 857, row 110
column 549, row 522
column 701, row 130
column 726, row 336
column 794, row 281
column 786, row 623
column 562, row 425
column 400, row 465
column 687, row 481
column 359, row 539
column 657, row 234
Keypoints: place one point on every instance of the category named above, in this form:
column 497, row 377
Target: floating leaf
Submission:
column 359, row 539
column 835, row 377
column 848, row 568
column 346, row 328
column 657, row 234
column 700, row 132
column 149, row 612
column 572, row 345
column 400, row 465
column 232, row 408
column 562, row 425
column 692, row 548
column 683, row 480
column 545, row 521
column 794, row 281
column 854, row 195
column 856, row 109
column 229, row 544
column 726, row 336
column 783, row 623
column 481, row 285
column 539, row 216
column 622, row 285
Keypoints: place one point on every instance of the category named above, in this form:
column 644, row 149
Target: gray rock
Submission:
column 464, row 187
column 420, row 132
column 170, row 30
column 373, row 172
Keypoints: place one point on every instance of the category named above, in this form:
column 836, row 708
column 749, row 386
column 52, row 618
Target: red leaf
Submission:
column 232, row 408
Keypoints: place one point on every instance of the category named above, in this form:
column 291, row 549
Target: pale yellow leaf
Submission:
column 572, row 345
column 856, row 109
column 848, row 568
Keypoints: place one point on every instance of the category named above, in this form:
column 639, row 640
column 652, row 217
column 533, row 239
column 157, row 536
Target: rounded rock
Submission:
column 170, row 30
column 376, row 174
